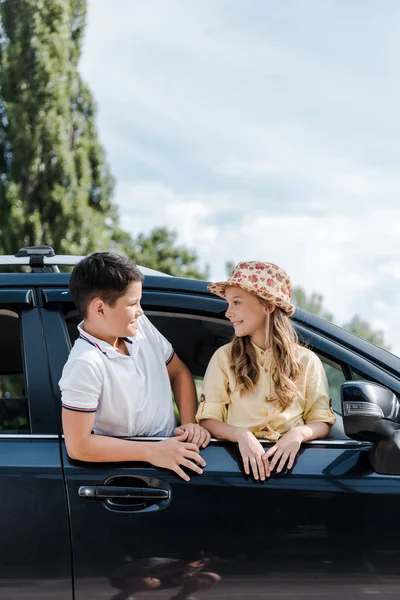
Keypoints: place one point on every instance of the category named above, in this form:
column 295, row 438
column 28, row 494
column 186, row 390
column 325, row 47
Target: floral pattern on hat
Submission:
column 266, row 280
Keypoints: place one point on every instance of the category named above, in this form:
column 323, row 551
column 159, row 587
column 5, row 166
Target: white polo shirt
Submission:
column 131, row 395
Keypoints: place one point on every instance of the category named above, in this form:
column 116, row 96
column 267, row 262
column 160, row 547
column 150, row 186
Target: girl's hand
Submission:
column 252, row 454
column 196, row 434
column 285, row 450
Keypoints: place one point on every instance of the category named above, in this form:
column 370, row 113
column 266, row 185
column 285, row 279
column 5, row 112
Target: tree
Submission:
column 158, row 251
column 229, row 266
column 364, row 330
column 313, row 303
column 55, row 186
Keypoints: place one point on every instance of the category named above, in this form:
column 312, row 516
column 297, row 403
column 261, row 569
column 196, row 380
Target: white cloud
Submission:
column 329, row 254
column 268, row 133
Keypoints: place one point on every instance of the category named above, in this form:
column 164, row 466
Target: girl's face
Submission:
column 246, row 313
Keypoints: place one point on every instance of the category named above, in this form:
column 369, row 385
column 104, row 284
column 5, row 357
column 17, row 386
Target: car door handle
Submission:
column 110, row 492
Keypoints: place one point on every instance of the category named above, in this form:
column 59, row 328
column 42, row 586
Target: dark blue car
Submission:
column 74, row 530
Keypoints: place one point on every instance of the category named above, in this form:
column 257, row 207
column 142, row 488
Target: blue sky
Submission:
column 260, row 129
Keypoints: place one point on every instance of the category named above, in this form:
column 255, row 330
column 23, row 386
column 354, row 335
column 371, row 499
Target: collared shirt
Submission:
column 254, row 410
column 131, row 395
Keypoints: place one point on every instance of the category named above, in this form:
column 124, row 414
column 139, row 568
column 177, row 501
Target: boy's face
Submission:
column 120, row 319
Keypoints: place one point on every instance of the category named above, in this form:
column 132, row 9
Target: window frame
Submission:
column 42, row 416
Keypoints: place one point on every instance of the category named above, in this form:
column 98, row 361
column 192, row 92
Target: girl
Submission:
column 264, row 384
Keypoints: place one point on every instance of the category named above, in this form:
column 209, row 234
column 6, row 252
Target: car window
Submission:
column 72, row 320
column 359, row 376
column 196, row 338
column 336, row 378
column 193, row 339
column 14, row 413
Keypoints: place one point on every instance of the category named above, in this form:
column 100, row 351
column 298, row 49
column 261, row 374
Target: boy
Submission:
column 118, row 377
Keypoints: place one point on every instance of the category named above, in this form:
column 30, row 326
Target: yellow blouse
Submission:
column 253, row 410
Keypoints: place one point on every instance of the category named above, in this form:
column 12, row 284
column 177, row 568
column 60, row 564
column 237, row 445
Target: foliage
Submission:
column 313, row 303
column 363, row 329
column 55, row 186
column 159, row 251
column 229, row 266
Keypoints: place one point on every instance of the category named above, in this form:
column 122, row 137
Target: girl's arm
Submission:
column 314, row 431
column 221, row 430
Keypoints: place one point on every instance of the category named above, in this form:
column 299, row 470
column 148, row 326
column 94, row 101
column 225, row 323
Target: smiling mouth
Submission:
column 236, row 323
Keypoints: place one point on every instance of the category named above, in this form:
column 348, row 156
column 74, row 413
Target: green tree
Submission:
column 229, row 266
column 362, row 328
column 55, row 186
column 314, row 303
column 159, row 251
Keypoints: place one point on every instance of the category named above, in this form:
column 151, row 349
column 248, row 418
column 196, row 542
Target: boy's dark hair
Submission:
column 104, row 275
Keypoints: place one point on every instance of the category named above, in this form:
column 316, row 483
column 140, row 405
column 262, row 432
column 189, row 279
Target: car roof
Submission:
column 156, row 280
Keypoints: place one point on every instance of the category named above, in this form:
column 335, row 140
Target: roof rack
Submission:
column 42, row 259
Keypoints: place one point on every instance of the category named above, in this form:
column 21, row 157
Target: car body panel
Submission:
column 35, row 553
column 318, row 528
column 326, row 529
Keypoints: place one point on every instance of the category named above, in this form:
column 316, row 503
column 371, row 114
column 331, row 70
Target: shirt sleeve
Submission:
column 157, row 337
column 81, row 385
column 318, row 404
column 215, row 398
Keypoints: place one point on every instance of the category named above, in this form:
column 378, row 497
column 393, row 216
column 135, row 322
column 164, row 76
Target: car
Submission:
column 84, row 531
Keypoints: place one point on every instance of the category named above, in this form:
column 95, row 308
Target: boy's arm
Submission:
column 186, row 399
column 184, row 389
column 81, row 444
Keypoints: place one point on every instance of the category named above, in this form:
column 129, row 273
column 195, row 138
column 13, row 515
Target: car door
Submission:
column 35, row 547
column 325, row 529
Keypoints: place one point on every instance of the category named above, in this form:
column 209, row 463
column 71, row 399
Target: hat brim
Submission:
column 218, row 289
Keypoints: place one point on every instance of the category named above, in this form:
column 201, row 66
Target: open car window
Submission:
column 196, row 338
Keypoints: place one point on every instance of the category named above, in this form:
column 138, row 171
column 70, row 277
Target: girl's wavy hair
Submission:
column 286, row 362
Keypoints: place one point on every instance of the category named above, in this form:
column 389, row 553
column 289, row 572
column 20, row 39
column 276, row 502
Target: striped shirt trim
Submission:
column 75, row 409
column 82, row 337
column 170, row 357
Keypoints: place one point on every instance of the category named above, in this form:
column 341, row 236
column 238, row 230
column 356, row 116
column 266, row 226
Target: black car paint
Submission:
column 325, row 529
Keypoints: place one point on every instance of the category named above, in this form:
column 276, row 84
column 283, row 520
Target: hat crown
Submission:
column 264, row 276
column 264, row 279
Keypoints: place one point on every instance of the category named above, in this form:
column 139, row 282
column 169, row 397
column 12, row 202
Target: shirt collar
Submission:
column 262, row 355
column 103, row 347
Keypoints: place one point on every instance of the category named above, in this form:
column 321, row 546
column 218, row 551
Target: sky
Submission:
column 260, row 130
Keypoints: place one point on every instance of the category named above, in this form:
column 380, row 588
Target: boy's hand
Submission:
column 196, row 434
column 175, row 453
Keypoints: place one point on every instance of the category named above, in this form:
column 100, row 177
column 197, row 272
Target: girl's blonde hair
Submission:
column 285, row 364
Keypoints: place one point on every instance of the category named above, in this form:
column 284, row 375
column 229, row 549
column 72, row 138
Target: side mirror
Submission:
column 370, row 411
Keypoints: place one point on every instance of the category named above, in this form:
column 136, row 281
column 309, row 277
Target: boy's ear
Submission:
column 97, row 306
